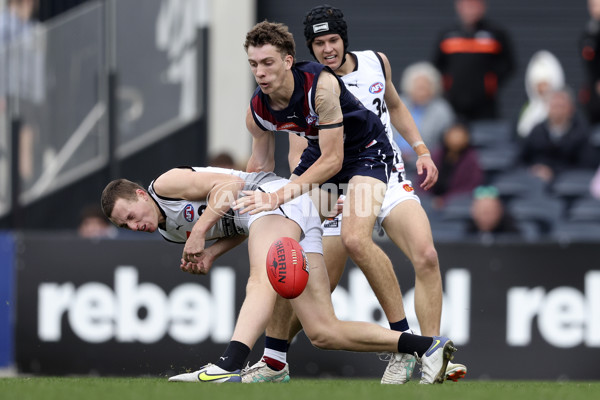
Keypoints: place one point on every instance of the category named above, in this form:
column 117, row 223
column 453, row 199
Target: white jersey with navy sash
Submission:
column 181, row 215
column 367, row 83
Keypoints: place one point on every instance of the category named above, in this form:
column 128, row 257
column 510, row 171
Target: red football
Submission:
column 287, row 267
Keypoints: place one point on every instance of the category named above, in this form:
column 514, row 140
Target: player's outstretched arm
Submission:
column 405, row 125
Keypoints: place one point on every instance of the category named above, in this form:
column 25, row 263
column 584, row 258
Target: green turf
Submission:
column 48, row 388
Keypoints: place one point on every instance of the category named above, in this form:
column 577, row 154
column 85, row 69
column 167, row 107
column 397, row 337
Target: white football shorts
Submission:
column 300, row 210
column 396, row 193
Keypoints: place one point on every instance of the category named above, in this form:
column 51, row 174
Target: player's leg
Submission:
column 284, row 324
column 315, row 311
column 408, row 227
column 257, row 306
column 361, row 206
column 325, row 331
column 357, row 231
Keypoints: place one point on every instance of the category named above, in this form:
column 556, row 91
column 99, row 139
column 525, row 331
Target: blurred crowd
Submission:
column 532, row 177
column 549, row 153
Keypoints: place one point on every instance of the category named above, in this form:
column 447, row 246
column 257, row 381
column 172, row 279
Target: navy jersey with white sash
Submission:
column 363, row 130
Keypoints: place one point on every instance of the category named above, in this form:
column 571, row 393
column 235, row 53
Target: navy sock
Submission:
column 276, row 344
column 411, row 344
column 234, row 356
column 400, row 326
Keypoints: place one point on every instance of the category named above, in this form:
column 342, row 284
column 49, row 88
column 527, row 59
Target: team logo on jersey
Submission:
column 188, row 213
column 311, row 120
column 408, row 188
column 376, row 88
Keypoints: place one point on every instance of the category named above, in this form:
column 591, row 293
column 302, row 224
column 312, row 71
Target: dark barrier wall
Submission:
column 124, row 308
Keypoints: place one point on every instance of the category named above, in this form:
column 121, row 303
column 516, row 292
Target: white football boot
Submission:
column 454, row 372
column 399, row 369
column 435, row 360
column 210, row 373
column 260, row 372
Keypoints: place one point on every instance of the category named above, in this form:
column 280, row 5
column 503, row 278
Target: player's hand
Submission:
column 256, row 201
column 196, row 268
column 202, row 265
column 194, row 246
column 426, row 164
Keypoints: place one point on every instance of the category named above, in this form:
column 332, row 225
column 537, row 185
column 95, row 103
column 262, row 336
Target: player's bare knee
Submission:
column 427, row 262
column 355, row 245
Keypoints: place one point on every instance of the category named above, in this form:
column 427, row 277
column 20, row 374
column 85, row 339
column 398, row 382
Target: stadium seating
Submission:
column 490, row 133
column 499, row 158
column 458, row 208
column 573, row 183
column 546, row 212
column 569, row 231
column 519, row 183
column 584, row 209
column 448, row 231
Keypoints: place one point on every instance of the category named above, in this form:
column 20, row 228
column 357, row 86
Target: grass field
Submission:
column 48, row 388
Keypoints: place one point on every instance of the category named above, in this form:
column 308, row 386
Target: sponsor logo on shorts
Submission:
column 408, row 188
column 333, row 223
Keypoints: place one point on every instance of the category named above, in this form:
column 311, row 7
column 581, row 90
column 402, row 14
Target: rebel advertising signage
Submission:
column 123, row 307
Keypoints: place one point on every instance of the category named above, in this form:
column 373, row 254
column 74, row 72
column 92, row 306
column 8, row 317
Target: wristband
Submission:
column 425, row 155
column 417, row 143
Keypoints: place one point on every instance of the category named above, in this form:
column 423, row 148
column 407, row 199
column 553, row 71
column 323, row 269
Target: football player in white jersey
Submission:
column 368, row 75
column 193, row 205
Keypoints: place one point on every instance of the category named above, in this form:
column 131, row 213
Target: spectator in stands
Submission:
column 458, row 165
column 558, row 143
column 421, row 87
column 94, row 224
column 489, row 217
column 544, row 74
column 475, row 58
column 16, row 19
column 589, row 50
column 17, row 27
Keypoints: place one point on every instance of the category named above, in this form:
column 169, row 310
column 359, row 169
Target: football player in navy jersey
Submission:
column 368, row 75
column 192, row 205
column 346, row 144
